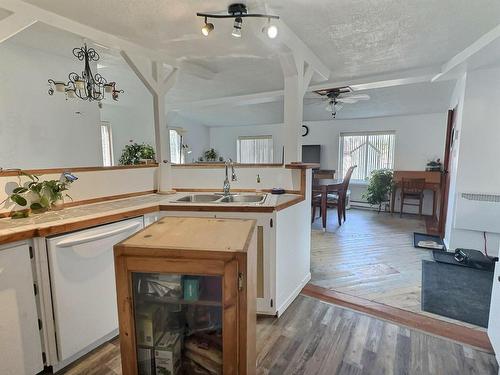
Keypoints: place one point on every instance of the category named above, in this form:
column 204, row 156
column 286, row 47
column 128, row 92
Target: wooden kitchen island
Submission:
column 186, row 295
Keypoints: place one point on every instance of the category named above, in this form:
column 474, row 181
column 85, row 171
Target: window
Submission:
column 369, row 151
column 255, row 149
column 176, row 156
column 107, row 145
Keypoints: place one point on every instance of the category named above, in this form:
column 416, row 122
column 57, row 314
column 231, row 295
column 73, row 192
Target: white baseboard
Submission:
column 281, row 309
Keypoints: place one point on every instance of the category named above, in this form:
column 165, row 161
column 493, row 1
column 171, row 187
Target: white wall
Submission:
column 38, row 130
column 419, row 138
column 477, row 153
column 42, row 131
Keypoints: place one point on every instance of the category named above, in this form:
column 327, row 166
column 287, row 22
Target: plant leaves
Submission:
column 20, row 214
column 44, row 201
column 19, row 190
column 16, row 198
column 36, row 206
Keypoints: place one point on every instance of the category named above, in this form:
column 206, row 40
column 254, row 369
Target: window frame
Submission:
column 366, row 134
column 268, row 137
column 178, row 134
column 107, row 125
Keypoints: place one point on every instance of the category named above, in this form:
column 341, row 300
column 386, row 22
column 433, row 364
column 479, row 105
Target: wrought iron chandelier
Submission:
column 87, row 86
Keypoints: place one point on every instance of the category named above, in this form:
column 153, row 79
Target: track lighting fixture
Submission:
column 238, row 12
column 238, row 22
column 207, row 28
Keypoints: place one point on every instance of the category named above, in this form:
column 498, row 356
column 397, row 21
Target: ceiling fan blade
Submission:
column 358, row 96
column 347, row 100
column 313, row 95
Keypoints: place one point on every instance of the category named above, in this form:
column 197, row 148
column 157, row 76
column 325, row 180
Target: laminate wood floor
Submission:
column 314, row 337
column 372, row 256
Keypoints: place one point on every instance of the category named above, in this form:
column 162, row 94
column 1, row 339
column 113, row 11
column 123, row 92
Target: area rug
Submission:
column 428, row 241
column 457, row 292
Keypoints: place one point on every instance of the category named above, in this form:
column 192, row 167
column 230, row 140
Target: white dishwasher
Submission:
column 82, row 278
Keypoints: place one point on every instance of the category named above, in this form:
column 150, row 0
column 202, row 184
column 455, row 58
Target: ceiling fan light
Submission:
column 207, row 28
column 238, row 22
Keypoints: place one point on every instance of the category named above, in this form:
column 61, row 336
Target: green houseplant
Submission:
column 135, row 153
column 42, row 195
column 379, row 187
column 210, row 155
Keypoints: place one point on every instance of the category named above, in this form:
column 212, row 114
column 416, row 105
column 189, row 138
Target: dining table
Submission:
column 321, row 188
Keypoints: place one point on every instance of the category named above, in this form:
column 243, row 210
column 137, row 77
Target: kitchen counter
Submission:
column 88, row 215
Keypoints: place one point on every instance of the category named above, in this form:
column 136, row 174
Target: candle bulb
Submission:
column 108, row 87
column 80, row 84
column 70, row 93
column 59, row 86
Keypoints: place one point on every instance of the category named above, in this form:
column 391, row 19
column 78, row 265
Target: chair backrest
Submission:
column 347, row 178
column 413, row 185
column 323, row 174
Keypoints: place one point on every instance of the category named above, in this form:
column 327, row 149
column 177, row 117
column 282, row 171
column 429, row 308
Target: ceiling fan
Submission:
column 337, row 97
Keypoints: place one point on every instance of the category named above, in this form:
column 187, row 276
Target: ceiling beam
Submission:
column 52, row 19
column 14, row 24
column 197, row 70
column 365, row 83
column 462, row 57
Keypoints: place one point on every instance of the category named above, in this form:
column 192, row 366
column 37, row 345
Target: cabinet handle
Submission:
column 77, row 240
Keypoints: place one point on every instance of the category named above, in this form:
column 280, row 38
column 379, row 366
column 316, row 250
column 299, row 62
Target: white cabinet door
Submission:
column 494, row 321
column 266, row 252
column 20, row 344
column 83, row 286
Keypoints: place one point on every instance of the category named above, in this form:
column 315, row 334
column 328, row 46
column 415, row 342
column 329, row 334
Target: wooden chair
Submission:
column 336, row 197
column 412, row 188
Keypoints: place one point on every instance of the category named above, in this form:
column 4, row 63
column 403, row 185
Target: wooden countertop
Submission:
column 194, row 233
column 89, row 215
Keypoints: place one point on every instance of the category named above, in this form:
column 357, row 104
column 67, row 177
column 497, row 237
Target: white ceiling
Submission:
column 354, row 38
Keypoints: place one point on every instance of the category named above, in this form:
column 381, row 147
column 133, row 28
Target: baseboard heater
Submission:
column 478, row 212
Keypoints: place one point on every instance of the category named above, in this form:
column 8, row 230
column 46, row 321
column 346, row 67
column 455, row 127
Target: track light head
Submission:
column 270, row 30
column 238, row 22
column 207, row 28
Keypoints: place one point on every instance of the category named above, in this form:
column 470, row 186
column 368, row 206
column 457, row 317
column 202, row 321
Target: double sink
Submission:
column 221, row 198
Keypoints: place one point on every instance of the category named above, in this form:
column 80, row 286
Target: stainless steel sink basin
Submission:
column 217, row 198
column 199, row 198
column 243, row 199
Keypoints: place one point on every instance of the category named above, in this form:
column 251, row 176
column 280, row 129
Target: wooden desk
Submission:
column 432, row 182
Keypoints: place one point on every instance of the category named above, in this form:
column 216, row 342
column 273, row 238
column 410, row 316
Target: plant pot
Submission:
column 58, row 205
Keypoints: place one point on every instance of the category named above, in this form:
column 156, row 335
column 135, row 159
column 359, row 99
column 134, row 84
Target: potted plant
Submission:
column 135, row 153
column 379, row 187
column 210, row 155
column 43, row 195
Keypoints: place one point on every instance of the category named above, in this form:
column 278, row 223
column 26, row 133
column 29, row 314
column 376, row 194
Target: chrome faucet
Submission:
column 227, row 185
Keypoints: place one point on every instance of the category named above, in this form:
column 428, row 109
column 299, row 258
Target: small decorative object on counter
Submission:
column 434, row 166
column 278, row 191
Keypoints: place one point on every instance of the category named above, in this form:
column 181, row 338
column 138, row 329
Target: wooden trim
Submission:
column 70, row 227
column 452, row 331
column 302, row 165
column 38, row 172
column 90, row 201
column 291, row 202
column 222, row 165
column 109, row 198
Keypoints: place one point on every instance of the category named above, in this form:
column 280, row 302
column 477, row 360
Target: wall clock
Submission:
column 305, row 131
